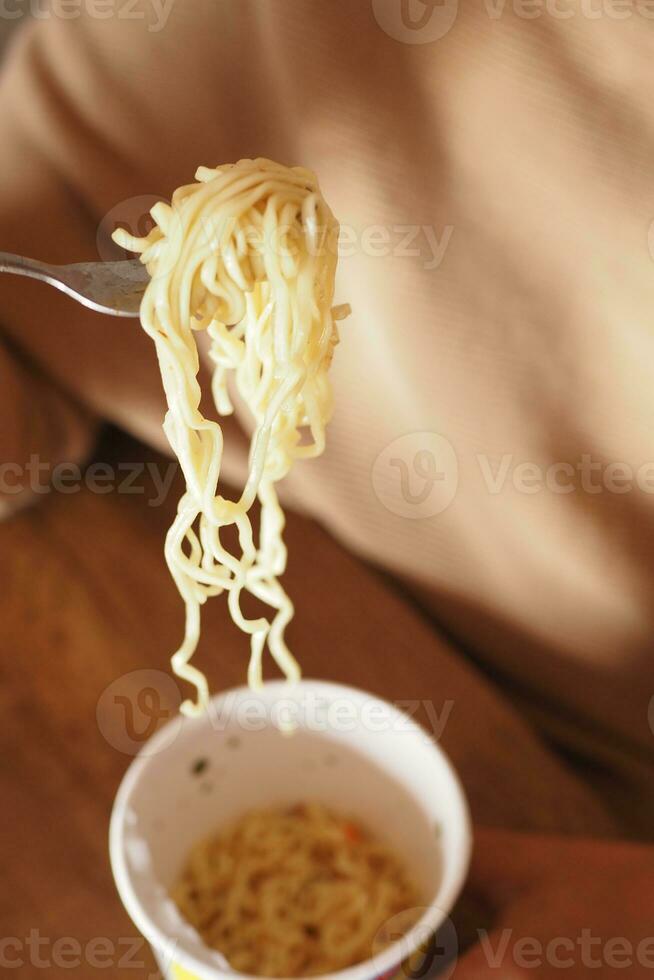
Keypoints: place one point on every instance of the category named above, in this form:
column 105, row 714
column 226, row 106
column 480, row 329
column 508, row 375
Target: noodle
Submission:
column 296, row 892
column 249, row 255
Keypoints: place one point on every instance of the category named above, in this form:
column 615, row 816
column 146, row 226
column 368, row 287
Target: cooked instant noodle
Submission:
column 247, row 254
column 295, row 892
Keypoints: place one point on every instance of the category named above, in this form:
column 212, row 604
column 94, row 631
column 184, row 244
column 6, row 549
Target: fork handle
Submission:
column 22, row 266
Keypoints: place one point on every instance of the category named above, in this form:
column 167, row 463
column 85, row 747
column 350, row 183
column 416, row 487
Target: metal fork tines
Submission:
column 115, row 288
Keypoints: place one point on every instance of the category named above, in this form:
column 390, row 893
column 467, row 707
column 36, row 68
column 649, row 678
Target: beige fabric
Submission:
column 524, row 147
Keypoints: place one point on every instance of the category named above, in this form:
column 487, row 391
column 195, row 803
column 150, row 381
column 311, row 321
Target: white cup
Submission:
column 349, row 750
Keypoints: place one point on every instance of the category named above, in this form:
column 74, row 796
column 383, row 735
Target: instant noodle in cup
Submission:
column 283, row 745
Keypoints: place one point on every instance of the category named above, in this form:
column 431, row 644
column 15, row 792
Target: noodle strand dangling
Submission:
column 248, row 253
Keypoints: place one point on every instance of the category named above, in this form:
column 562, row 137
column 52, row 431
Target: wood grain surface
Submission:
column 86, row 599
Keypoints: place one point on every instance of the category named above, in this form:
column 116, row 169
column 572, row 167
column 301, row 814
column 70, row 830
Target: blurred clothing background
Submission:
column 7, row 27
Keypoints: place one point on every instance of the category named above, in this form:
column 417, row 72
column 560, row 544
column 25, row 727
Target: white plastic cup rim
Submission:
column 456, row 861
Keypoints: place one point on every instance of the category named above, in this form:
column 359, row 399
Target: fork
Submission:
column 115, row 288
